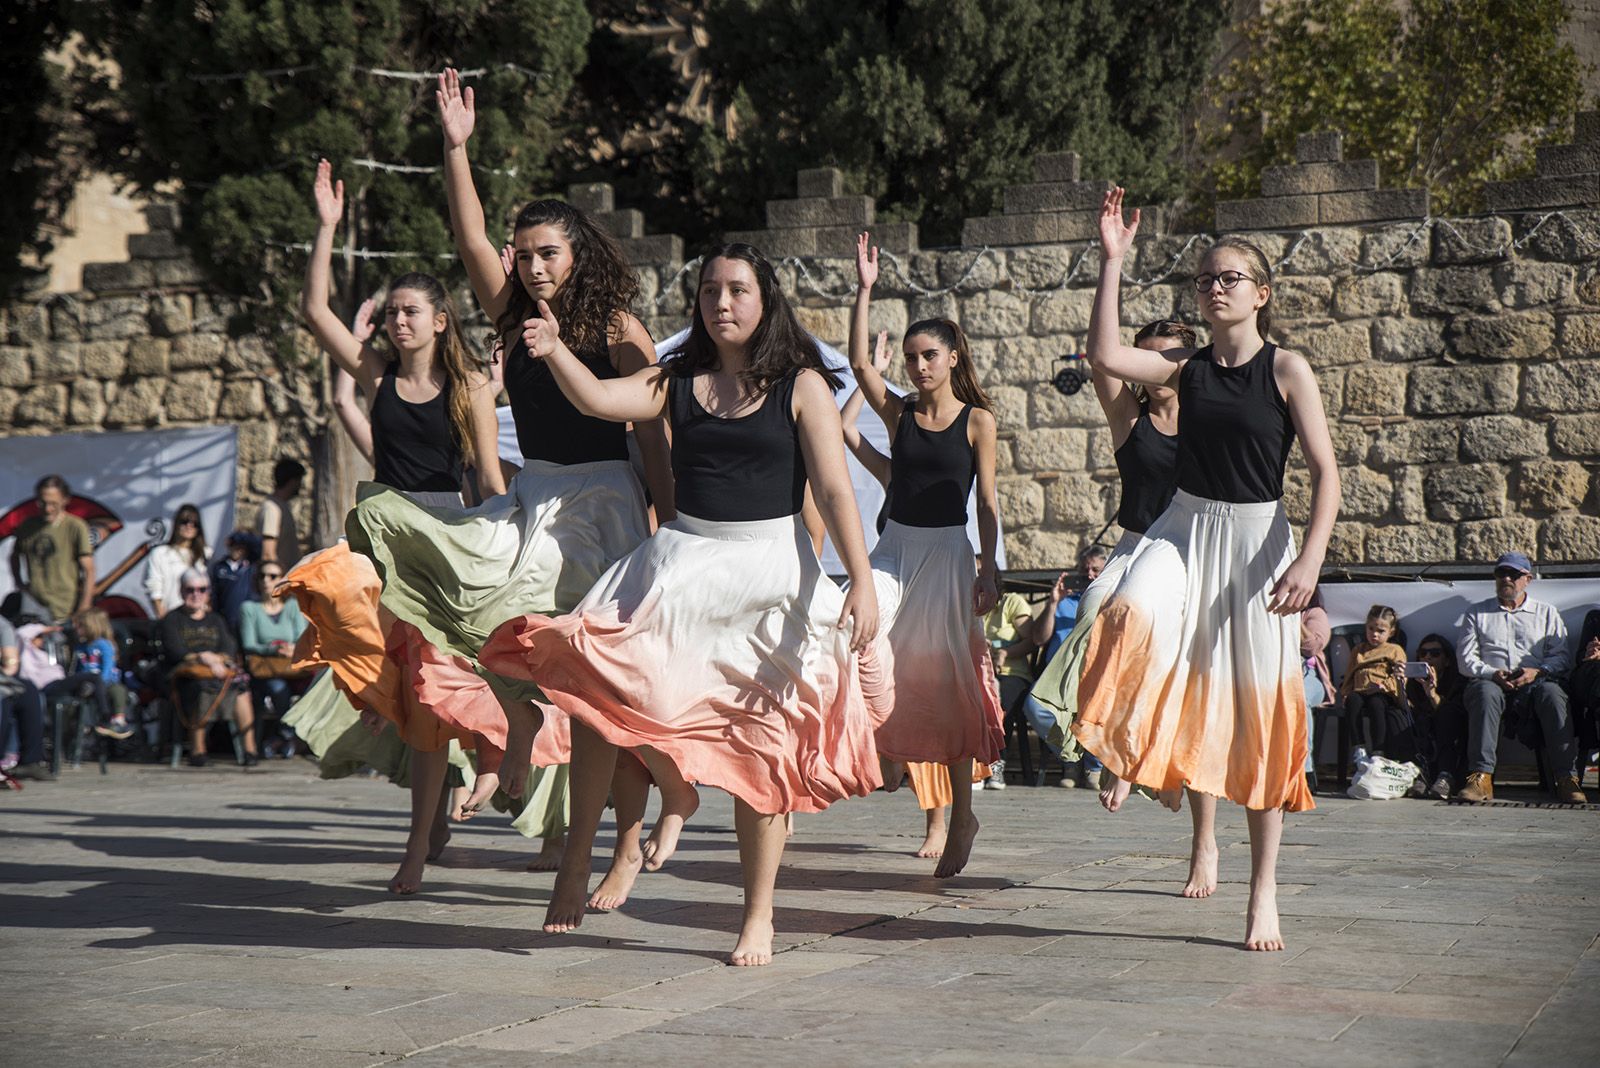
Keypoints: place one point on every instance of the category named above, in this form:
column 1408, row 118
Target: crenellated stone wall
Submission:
column 1459, row 358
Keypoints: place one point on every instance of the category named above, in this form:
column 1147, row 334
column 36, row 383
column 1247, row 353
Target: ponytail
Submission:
column 963, row 376
column 451, row 350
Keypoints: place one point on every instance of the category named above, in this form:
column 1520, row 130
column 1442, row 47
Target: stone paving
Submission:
column 218, row 917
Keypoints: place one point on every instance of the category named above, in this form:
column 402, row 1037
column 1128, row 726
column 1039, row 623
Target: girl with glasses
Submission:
column 184, row 548
column 1192, row 678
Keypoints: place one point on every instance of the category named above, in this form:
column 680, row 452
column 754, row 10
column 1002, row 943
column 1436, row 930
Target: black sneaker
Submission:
column 250, row 760
column 38, row 771
column 198, row 760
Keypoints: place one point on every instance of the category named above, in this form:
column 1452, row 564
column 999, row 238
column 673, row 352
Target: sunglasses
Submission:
column 1229, row 280
column 187, row 590
column 1508, row 573
column 1430, row 652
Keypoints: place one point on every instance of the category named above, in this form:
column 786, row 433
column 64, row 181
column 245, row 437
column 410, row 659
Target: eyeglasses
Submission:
column 1508, row 573
column 188, row 522
column 187, row 590
column 1229, row 279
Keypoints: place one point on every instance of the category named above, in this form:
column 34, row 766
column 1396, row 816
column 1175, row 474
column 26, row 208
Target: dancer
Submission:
column 1202, row 688
column 717, row 650
column 430, row 413
column 942, row 440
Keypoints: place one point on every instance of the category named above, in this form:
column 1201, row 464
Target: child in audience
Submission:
column 94, row 665
column 1371, row 690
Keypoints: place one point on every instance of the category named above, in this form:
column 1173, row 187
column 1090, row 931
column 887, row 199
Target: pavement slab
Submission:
column 160, row 917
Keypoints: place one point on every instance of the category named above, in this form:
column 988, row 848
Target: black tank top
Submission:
column 931, row 472
column 1148, row 464
column 549, row 427
column 1234, row 429
column 738, row 469
column 413, row 446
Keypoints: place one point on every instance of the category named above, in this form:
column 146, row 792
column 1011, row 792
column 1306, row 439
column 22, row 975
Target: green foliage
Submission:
column 242, row 150
column 37, row 150
column 934, row 106
column 1444, row 94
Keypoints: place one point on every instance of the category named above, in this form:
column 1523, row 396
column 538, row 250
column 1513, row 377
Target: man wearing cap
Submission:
column 1512, row 650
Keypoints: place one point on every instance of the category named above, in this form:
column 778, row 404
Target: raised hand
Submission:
column 508, row 258
column 363, row 326
column 542, row 334
column 881, row 354
column 328, row 194
column 866, row 261
column 456, row 113
column 1115, row 237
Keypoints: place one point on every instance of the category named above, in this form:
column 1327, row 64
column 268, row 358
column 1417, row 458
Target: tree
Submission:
column 1444, row 94
column 233, row 102
column 934, row 106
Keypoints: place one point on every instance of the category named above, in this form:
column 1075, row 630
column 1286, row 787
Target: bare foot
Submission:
column 933, row 844
column 1114, row 790
column 612, row 893
column 483, row 789
column 1202, row 870
column 549, row 858
column 958, row 845
column 408, row 880
column 677, row 805
column 522, row 723
column 894, row 773
column 754, row 947
column 1171, row 799
column 567, row 899
column 1261, row 921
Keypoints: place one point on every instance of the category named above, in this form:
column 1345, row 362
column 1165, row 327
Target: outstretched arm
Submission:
column 359, row 361
column 638, row 397
column 457, row 116
column 1298, row 384
column 820, row 441
column 1106, row 352
column 869, row 375
column 352, row 413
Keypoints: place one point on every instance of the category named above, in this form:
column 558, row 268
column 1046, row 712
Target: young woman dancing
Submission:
column 431, row 413
column 1201, row 688
column 942, row 440
column 718, row 651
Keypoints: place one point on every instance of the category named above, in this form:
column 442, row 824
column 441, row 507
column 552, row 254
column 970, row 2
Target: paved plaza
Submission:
column 218, row 917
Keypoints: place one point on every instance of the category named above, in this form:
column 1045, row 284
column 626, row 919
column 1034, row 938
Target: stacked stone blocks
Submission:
column 1320, row 187
column 823, row 221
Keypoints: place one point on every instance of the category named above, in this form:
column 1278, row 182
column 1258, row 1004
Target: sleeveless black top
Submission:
column 931, row 472
column 413, row 445
column 1148, row 464
column 549, row 427
column 1234, row 429
column 739, row 469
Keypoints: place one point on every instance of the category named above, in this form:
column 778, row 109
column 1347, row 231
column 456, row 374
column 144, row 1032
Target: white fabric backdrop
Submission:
column 138, row 476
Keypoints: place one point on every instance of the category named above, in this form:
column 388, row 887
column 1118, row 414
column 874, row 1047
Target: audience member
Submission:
column 233, row 575
column 94, row 674
column 59, row 554
column 1051, row 630
column 280, row 540
column 1439, row 715
column 21, row 706
column 198, row 647
column 1512, row 650
column 1009, row 630
column 1371, row 690
column 1315, row 631
column 186, row 548
column 1584, row 689
column 268, row 629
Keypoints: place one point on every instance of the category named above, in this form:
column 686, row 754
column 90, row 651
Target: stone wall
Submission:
column 1459, row 358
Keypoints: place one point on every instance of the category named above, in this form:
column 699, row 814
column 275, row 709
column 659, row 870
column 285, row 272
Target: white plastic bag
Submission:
column 1378, row 778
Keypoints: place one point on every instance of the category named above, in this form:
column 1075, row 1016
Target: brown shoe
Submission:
column 1568, row 792
column 1480, row 787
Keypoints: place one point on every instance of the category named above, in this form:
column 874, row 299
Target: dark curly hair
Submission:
column 601, row 285
column 778, row 346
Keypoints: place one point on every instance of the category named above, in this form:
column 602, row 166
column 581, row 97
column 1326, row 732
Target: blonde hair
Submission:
column 92, row 624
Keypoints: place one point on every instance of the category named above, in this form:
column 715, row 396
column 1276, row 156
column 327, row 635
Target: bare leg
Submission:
column 760, row 851
column 678, row 802
column 522, row 723
column 549, row 856
column 893, row 772
column 1203, row 848
column 244, row 717
column 427, row 792
column 1261, row 921
column 197, row 742
column 963, row 824
column 1114, row 790
column 593, row 761
column 630, row 792
column 933, row 842
column 439, row 834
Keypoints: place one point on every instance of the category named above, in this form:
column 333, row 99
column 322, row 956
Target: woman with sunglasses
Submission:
column 200, row 652
column 268, row 629
column 185, row 548
column 1439, row 714
column 1192, row 676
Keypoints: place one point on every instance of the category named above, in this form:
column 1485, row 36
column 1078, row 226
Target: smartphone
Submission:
column 1416, row 669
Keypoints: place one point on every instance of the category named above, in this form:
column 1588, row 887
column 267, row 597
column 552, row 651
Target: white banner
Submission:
column 1438, row 607
column 133, row 478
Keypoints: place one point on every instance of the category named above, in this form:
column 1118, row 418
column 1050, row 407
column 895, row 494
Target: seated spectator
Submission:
column 280, row 541
column 1439, row 715
column 1512, row 651
column 186, row 548
column 94, row 674
column 1371, row 690
column 22, row 705
column 1314, row 633
column 198, row 647
column 1013, row 633
column 1062, row 615
column 1584, row 688
column 268, row 629
column 56, row 547
column 233, row 575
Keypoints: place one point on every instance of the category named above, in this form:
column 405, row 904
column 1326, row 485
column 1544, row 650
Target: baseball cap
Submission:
column 1519, row 561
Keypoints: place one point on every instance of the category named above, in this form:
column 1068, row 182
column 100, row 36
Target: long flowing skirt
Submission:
column 1057, row 686
column 1188, row 679
column 946, row 702
column 718, row 645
